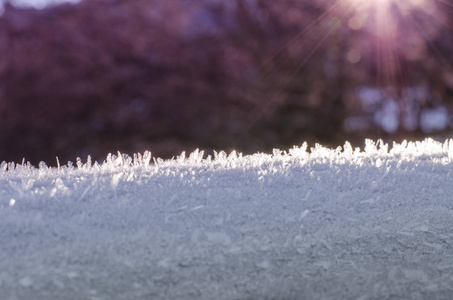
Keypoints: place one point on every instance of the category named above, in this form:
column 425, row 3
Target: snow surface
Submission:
column 301, row 224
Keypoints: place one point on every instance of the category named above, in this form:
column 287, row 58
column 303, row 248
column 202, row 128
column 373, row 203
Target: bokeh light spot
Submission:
column 353, row 56
column 355, row 23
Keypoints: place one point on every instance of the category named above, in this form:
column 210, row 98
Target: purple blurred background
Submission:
column 99, row 76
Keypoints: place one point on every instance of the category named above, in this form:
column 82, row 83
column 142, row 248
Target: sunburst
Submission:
column 384, row 43
column 395, row 32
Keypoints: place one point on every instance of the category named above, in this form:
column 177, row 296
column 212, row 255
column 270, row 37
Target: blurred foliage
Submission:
column 173, row 75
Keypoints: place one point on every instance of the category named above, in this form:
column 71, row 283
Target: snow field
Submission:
column 321, row 224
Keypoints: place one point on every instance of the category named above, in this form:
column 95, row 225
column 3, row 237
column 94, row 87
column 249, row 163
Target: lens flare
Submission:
column 397, row 30
column 390, row 44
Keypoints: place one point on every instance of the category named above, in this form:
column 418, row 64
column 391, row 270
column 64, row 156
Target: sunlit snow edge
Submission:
column 373, row 153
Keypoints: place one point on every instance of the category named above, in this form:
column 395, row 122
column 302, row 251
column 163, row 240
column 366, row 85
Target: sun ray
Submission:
column 382, row 26
column 450, row 5
column 422, row 32
column 304, row 32
column 387, row 24
column 321, row 35
column 436, row 17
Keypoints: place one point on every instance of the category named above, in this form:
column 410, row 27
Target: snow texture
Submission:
column 299, row 224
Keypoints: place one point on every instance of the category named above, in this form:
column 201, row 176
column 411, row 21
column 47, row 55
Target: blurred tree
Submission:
column 172, row 75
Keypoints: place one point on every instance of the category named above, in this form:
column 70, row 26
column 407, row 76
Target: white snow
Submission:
column 297, row 224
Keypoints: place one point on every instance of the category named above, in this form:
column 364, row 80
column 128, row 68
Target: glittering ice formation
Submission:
column 298, row 224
